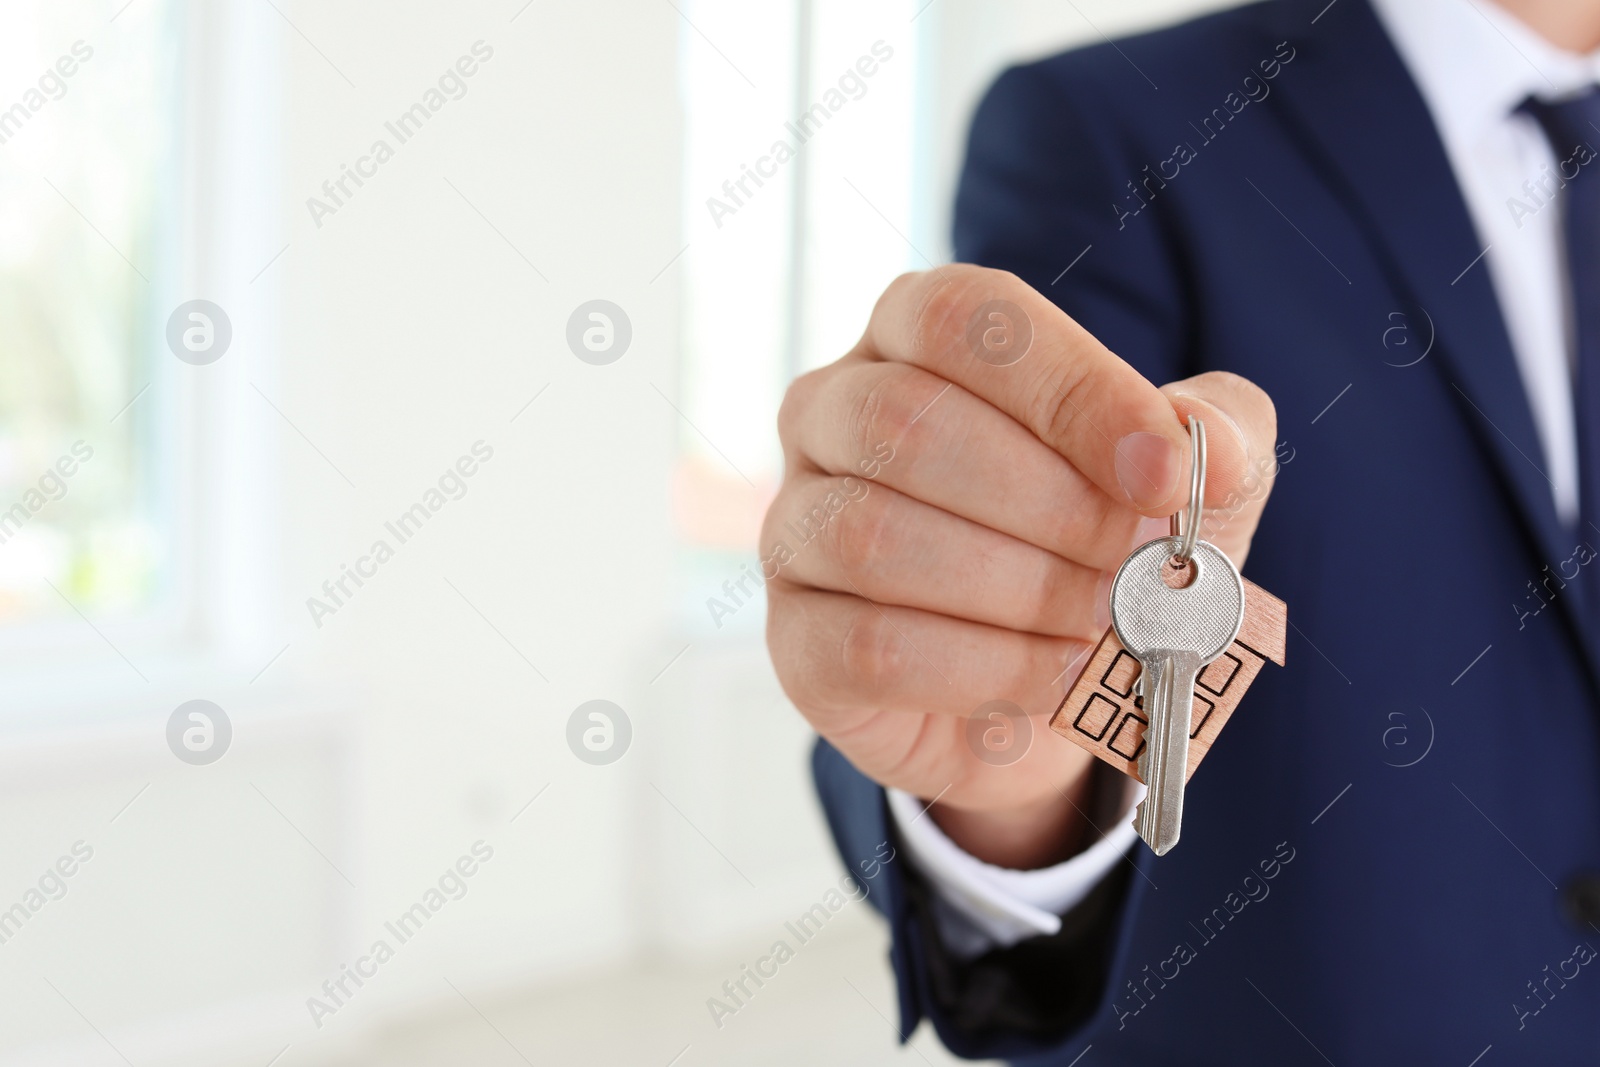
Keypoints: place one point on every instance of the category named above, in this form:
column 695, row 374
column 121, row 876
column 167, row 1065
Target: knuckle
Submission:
column 861, row 534
column 1100, row 532
column 884, row 411
column 771, row 535
column 785, row 635
column 1052, row 597
column 873, row 657
column 940, row 322
column 1062, row 405
column 939, row 315
column 799, row 402
column 905, row 280
column 798, row 659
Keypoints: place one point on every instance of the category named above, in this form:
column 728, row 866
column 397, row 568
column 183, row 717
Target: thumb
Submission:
column 1241, row 429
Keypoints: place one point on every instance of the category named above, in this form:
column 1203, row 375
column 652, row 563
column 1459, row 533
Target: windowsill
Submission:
column 97, row 695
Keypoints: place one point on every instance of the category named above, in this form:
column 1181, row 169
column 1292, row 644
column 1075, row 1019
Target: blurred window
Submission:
column 800, row 122
column 89, row 113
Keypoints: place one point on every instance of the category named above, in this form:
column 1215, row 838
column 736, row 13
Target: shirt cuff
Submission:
column 980, row 906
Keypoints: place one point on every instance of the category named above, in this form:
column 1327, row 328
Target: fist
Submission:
column 958, row 491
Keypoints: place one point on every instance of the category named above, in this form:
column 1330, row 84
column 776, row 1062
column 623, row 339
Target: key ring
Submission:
column 1197, row 490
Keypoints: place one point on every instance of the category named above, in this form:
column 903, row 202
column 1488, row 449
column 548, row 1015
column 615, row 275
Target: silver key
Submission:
column 1173, row 633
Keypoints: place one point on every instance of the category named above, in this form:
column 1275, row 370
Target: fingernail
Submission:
column 1238, row 431
column 1147, row 468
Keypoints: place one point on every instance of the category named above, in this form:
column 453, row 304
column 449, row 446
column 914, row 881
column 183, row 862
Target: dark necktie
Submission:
column 1573, row 128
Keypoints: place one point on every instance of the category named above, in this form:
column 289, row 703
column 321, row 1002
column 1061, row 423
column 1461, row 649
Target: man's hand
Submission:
column 948, row 524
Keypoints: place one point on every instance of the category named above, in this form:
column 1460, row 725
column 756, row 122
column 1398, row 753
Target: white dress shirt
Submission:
column 1474, row 64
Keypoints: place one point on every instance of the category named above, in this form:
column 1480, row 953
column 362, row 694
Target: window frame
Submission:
column 207, row 429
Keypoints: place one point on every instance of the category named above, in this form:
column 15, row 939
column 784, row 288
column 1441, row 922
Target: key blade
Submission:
column 1169, row 702
column 1173, row 631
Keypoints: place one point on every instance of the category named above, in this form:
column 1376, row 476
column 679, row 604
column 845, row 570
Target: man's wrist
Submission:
column 1023, row 838
column 979, row 905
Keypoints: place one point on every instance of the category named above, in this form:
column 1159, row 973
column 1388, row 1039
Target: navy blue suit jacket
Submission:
column 1307, row 232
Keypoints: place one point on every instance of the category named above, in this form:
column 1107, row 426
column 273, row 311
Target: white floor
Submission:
column 833, row 1003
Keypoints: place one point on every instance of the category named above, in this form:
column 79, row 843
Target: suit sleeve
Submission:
column 1021, row 1000
column 1047, row 194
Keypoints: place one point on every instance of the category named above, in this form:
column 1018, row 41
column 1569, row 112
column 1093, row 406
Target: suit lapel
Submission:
column 1362, row 120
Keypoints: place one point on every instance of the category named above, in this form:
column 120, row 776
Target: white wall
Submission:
column 412, row 330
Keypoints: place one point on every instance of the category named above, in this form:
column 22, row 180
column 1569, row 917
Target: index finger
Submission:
column 992, row 334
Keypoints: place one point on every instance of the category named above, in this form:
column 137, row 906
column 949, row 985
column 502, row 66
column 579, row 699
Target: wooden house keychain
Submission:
column 1188, row 635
